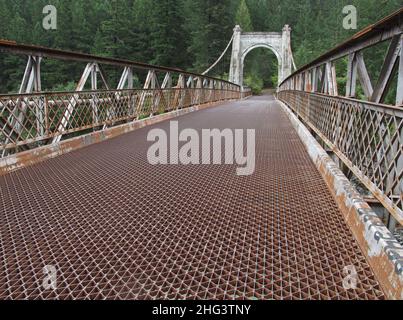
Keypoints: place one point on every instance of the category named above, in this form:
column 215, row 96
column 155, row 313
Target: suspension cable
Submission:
column 219, row 59
column 292, row 57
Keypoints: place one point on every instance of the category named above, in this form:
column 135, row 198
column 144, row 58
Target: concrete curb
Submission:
column 383, row 252
column 31, row 157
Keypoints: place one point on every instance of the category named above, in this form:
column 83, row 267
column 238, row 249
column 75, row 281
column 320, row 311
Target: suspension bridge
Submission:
column 324, row 206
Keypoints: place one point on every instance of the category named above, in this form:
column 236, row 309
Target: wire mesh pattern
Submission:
column 369, row 135
column 116, row 227
column 27, row 119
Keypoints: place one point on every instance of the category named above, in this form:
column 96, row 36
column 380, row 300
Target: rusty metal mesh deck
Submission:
column 116, row 227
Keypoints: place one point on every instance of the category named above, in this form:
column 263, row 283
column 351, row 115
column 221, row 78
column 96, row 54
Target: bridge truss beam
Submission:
column 366, row 134
column 33, row 118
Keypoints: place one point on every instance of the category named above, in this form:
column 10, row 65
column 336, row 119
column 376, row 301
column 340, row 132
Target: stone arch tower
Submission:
column 245, row 42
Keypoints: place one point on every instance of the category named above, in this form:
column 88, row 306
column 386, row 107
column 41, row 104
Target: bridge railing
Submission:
column 33, row 118
column 246, row 92
column 368, row 137
column 363, row 131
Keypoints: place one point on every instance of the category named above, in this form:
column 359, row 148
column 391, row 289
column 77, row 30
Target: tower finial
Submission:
column 287, row 28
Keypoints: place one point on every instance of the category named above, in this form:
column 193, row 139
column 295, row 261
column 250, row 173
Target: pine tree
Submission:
column 140, row 42
column 4, row 19
column 167, row 33
column 195, row 24
column 188, row 34
column 243, row 17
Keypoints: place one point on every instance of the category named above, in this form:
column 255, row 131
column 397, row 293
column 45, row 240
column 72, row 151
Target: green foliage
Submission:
column 274, row 80
column 69, row 86
column 165, row 32
column 255, row 83
column 243, row 17
column 208, row 26
column 188, row 34
column 262, row 64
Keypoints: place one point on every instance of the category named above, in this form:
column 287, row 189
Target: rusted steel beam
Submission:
column 365, row 136
column 30, row 157
column 39, row 51
column 72, row 112
column 385, row 76
column 31, row 83
column 363, row 76
column 381, row 31
column 399, row 95
column 351, row 76
column 50, row 123
column 68, row 113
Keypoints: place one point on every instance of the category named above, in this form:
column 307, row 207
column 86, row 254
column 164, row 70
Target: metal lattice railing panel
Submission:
column 367, row 136
column 36, row 118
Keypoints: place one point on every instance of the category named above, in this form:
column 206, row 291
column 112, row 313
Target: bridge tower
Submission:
column 244, row 42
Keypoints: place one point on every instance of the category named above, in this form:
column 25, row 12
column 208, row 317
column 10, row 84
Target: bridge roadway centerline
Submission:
column 116, row 227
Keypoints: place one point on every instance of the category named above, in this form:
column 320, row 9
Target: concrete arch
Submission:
column 244, row 42
column 260, row 45
column 252, row 47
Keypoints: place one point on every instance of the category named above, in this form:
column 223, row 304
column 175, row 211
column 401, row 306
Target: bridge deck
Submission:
column 116, row 227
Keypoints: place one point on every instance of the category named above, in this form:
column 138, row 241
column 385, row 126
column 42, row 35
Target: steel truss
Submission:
column 33, row 118
column 366, row 135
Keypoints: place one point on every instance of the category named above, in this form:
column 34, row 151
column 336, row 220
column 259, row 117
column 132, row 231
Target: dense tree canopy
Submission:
column 189, row 34
column 243, row 17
